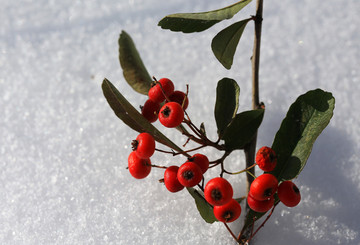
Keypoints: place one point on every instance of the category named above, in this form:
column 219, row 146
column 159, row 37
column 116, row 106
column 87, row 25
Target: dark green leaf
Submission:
column 205, row 210
column 196, row 22
column 242, row 129
column 305, row 120
column 227, row 103
column 134, row 69
column 225, row 42
column 130, row 116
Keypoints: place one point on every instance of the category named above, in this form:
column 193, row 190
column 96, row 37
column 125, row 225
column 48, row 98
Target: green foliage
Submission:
column 225, row 42
column 304, row 122
column 205, row 209
column 134, row 69
column 130, row 116
column 227, row 103
column 242, row 129
column 197, row 22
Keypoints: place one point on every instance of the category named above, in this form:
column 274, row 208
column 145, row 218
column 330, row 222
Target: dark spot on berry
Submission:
column 146, row 162
column 272, row 157
column 191, row 159
column 188, row 175
column 296, row 190
column 268, row 192
column 228, row 215
column 134, row 145
column 216, row 194
column 166, row 112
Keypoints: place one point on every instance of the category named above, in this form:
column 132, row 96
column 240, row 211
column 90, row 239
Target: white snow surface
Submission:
column 64, row 152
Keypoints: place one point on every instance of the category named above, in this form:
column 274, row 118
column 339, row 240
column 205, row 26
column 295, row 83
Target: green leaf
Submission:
column 242, row 129
column 134, row 70
column 130, row 116
column 227, row 103
column 306, row 119
column 196, row 22
column 225, row 42
column 205, row 210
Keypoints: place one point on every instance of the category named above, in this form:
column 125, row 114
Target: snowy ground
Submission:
column 63, row 151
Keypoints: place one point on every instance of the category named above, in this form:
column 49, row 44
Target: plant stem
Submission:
column 255, row 60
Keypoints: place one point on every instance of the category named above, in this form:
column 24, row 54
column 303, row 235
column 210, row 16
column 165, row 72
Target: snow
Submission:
column 64, row 152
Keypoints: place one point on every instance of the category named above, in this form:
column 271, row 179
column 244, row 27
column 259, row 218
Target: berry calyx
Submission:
column 180, row 98
column 263, row 187
column 189, row 174
column 139, row 168
column 144, row 145
column 266, row 159
column 228, row 212
column 260, row 206
column 156, row 92
column 170, row 179
column 171, row 115
column 201, row 160
column 150, row 110
column 218, row 191
column 289, row 194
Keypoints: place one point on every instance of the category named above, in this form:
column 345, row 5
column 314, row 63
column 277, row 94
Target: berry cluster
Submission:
column 218, row 191
column 139, row 163
column 170, row 113
column 264, row 187
column 169, row 107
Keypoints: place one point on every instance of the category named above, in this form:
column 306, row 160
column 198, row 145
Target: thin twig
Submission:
column 230, row 231
column 255, row 60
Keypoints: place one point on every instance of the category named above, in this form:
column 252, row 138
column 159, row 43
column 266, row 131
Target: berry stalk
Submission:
column 255, row 60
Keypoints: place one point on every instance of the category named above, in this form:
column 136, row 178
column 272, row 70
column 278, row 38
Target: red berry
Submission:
column 171, row 115
column 228, row 212
column 144, row 145
column 260, row 206
column 189, row 174
column 150, row 110
column 201, row 160
column 289, row 194
column 156, row 92
column 179, row 97
column 264, row 187
column 138, row 168
column 218, row 191
column 170, row 179
column 266, row 159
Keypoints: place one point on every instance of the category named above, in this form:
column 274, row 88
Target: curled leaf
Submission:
column 134, row 70
column 197, row 22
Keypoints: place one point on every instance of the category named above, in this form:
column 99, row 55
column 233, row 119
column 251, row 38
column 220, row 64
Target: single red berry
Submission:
column 171, row 115
column 179, row 97
column 156, row 92
column 289, row 194
column 170, row 179
column 260, row 206
column 189, row 174
column 150, row 110
column 201, row 160
column 228, row 212
column 264, row 187
column 266, row 159
column 218, row 191
column 144, row 145
column 138, row 168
